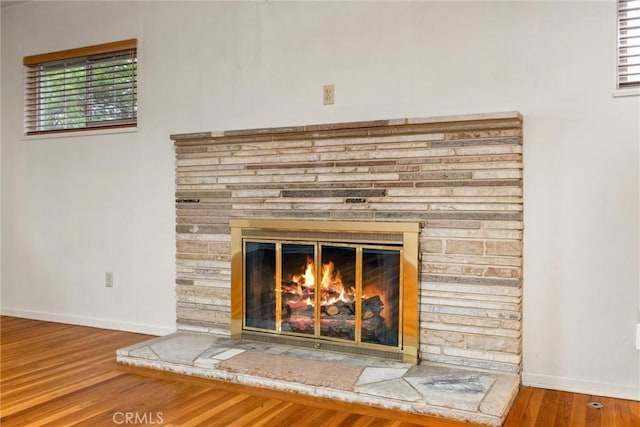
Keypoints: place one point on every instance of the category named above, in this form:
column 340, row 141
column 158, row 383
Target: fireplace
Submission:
column 337, row 191
column 341, row 285
column 417, row 224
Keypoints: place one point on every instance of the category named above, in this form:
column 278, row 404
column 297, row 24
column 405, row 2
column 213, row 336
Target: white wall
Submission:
column 76, row 207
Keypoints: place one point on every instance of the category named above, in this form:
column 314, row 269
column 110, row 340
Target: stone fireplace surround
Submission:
column 460, row 177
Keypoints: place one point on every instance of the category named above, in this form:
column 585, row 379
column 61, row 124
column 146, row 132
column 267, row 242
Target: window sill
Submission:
column 78, row 134
column 620, row 93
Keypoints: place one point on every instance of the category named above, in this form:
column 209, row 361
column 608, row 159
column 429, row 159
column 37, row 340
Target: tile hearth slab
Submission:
column 431, row 389
column 294, row 369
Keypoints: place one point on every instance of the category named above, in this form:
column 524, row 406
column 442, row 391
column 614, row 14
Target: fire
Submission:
column 332, row 287
column 306, row 279
column 331, row 308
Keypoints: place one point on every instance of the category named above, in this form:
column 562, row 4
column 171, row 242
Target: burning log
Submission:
column 289, row 286
column 337, row 320
column 373, row 330
column 300, row 309
column 293, row 288
column 339, row 326
column 296, row 304
column 333, row 290
column 332, row 310
column 346, row 308
column 373, row 304
column 299, row 324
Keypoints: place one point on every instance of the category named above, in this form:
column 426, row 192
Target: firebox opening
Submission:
column 344, row 289
column 351, row 294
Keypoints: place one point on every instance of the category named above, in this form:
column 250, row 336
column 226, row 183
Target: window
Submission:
column 628, row 73
column 79, row 89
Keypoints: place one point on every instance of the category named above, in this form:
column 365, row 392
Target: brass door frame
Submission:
column 366, row 232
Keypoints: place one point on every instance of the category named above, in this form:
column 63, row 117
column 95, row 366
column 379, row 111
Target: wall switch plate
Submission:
column 328, row 94
column 109, row 279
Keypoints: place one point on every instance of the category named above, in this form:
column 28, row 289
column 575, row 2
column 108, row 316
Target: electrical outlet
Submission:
column 109, row 279
column 328, row 94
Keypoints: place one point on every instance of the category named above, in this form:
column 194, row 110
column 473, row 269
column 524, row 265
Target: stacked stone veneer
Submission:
column 461, row 177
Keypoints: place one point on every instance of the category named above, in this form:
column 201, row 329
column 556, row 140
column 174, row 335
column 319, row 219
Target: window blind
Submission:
column 85, row 88
column 628, row 43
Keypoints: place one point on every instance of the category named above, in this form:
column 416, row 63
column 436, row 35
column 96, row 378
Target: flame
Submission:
column 302, row 292
column 332, row 287
column 306, row 279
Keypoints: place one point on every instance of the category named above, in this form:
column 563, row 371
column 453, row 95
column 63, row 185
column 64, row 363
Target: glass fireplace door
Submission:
column 298, row 289
column 380, row 296
column 260, row 286
column 335, row 291
column 338, row 290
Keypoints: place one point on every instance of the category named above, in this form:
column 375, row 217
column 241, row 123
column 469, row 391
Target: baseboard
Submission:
column 619, row 391
column 138, row 328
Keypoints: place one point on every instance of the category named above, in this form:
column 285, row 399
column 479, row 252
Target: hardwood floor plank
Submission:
column 578, row 410
column 548, row 408
column 517, row 413
column 378, row 423
column 593, row 418
column 633, row 412
column 61, row 375
column 367, row 421
column 336, row 419
column 278, row 416
column 563, row 418
column 215, row 412
column 617, row 412
column 33, row 398
column 533, row 409
column 265, row 406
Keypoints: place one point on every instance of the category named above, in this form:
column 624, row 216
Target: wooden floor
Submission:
column 60, row 375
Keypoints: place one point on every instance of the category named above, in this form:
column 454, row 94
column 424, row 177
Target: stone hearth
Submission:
column 473, row 395
column 458, row 177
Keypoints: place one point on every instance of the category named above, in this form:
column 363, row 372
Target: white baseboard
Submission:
column 138, row 328
column 619, row 391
